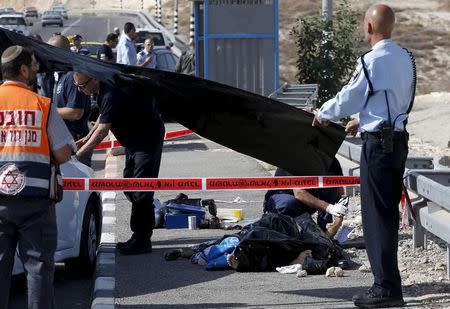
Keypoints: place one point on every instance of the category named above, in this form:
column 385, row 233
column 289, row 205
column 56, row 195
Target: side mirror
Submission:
column 30, row 24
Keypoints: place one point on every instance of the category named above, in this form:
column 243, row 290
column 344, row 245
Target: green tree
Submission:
column 327, row 51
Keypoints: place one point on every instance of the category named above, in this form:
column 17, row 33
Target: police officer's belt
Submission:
column 377, row 135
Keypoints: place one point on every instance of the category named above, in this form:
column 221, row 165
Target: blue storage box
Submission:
column 180, row 221
column 185, row 209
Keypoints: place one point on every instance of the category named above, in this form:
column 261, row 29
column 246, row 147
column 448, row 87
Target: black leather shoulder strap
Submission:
column 366, row 74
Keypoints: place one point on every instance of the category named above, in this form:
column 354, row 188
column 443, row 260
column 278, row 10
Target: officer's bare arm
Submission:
column 95, row 138
column 68, row 113
column 310, row 200
column 63, row 154
column 83, row 140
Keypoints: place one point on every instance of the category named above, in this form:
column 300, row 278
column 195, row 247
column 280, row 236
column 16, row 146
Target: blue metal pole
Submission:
column 205, row 40
column 276, row 45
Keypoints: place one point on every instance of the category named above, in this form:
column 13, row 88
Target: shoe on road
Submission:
column 136, row 246
column 376, row 297
column 122, row 244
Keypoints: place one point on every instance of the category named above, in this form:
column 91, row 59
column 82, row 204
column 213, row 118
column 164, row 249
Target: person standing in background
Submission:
column 126, row 50
column 147, row 58
column 105, row 52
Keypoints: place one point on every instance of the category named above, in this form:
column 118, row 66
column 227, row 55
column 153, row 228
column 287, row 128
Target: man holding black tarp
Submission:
column 382, row 91
column 137, row 125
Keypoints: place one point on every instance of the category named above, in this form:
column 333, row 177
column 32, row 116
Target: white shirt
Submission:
column 143, row 55
column 389, row 69
column 126, row 51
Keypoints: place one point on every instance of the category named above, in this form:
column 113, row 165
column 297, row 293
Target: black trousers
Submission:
column 381, row 187
column 142, row 164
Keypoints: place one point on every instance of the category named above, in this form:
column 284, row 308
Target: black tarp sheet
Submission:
column 254, row 125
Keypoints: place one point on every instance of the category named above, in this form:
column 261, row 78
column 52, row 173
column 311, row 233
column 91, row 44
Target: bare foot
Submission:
column 232, row 261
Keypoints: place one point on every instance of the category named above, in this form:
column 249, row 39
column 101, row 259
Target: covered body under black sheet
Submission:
column 276, row 240
column 248, row 123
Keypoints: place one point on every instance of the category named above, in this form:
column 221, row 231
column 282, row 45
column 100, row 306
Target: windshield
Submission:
column 51, row 14
column 158, row 38
column 12, row 21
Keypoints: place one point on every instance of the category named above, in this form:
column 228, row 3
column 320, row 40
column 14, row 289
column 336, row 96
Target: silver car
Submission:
column 79, row 219
column 52, row 18
column 61, row 10
column 15, row 22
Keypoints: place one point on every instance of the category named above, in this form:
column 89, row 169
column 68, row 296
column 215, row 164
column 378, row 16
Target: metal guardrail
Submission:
column 298, row 95
column 432, row 186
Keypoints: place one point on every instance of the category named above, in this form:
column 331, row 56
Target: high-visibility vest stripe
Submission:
column 23, row 156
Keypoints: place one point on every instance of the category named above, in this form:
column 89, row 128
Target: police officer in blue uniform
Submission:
column 382, row 92
column 72, row 105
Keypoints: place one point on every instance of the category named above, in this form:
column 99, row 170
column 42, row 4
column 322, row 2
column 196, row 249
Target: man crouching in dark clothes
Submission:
column 326, row 201
column 138, row 127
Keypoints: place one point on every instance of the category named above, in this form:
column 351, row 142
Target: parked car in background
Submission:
column 165, row 60
column 31, row 12
column 6, row 11
column 79, row 219
column 52, row 18
column 156, row 35
column 61, row 10
column 15, row 22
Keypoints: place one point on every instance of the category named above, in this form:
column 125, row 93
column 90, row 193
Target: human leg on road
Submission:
column 141, row 164
column 8, row 243
column 381, row 178
column 37, row 246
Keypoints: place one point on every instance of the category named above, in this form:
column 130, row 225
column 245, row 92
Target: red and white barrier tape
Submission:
column 207, row 184
column 169, row 135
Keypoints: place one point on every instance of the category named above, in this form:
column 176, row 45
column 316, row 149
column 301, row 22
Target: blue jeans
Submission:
column 30, row 225
column 287, row 204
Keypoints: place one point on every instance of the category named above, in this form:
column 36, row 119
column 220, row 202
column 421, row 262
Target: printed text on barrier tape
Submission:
column 169, row 135
column 207, row 184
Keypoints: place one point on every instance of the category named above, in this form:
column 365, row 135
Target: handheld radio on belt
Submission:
column 387, row 128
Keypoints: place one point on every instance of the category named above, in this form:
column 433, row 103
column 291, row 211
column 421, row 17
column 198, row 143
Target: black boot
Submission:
column 315, row 267
column 137, row 246
column 377, row 297
column 122, row 244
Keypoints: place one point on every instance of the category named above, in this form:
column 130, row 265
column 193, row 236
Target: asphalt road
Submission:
column 92, row 27
column 148, row 281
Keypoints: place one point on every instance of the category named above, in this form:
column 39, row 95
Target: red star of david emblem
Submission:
column 10, row 179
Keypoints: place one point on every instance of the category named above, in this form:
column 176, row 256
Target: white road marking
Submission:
column 108, row 197
column 109, row 220
column 71, row 25
column 109, row 207
column 108, row 238
column 105, row 283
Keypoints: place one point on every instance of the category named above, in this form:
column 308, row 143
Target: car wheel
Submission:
column 84, row 265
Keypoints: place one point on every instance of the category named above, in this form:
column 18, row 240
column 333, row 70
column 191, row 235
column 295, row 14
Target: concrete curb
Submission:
column 105, row 274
